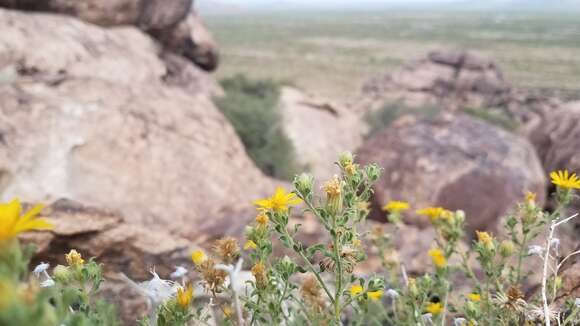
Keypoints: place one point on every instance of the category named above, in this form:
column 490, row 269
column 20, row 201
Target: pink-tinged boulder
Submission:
column 456, row 162
column 450, row 78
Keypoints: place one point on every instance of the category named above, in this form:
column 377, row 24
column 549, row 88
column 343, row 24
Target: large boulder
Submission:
column 173, row 22
column 87, row 114
column 450, row 78
column 319, row 130
column 557, row 138
column 456, row 162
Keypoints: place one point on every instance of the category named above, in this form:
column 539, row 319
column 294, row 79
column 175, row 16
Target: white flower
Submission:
column 41, row 268
column 535, row 250
column 428, row 318
column 555, row 243
column 390, row 293
column 459, row 321
column 577, row 302
column 233, row 272
column 47, row 283
column 158, row 290
column 179, row 272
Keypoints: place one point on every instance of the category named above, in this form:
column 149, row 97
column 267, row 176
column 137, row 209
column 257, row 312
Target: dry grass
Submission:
column 334, row 53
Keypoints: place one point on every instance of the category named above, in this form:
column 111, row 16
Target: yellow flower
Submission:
column 250, row 245
column 476, row 297
column 438, row 257
column 279, row 202
column 432, row 212
column 262, row 219
column 355, row 290
column 350, row 169
column 198, row 257
column 530, row 197
column 73, row 258
column 184, row 296
column 375, row 295
column 356, row 242
column 485, row 239
column 13, row 222
column 333, row 187
column 434, row 308
column 565, row 180
column 228, row 311
column 396, row 206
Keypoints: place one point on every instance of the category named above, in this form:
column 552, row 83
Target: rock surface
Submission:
column 456, row 162
column 319, row 130
column 87, row 114
column 450, row 78
column 172, row 22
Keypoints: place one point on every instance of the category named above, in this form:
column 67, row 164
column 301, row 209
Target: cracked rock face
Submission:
column 89, row 114
column 456, row 162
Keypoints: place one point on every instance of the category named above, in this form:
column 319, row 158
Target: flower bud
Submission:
column 373, row 172
column 346, row 158
column 303, row 183
column 460, row 216
column 61, row 274
column 506, row 248
column 333, row 191
column 413, row 290
column 73, row 258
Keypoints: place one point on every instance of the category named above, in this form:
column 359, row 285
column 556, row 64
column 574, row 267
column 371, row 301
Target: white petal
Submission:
column 41, row 268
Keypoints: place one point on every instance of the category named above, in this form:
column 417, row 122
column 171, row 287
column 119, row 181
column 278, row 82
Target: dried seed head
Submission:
column 227, row 249
column 311, row 293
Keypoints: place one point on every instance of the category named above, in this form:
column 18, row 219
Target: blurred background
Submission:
column 149, row 126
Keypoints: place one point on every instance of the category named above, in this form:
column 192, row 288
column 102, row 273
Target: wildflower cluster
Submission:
column 246, row 283
column 63, row 297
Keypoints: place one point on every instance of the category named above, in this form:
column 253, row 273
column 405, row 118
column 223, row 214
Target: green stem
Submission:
column 336, row 244
column 520, row 258
column 311, row 268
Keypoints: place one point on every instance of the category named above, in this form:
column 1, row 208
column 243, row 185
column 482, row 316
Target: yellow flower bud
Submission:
column 73, row 258
column 198, row 257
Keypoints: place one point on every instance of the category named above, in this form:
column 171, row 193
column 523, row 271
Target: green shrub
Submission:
column 492, row 116
column 391, row 111
column 251, row 106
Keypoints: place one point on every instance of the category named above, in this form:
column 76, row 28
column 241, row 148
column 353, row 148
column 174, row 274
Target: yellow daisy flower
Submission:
column 476, row 297
column 565, row 180
column 250, row 245
column 13, row 222
column 485, row 239
column 432, row 212
column 434, row 308
column 279, row 202
column 438, row 257
column 198, row 257
column 396, row 206
column 375, row 295
column 355, row 290
column 184, row 296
